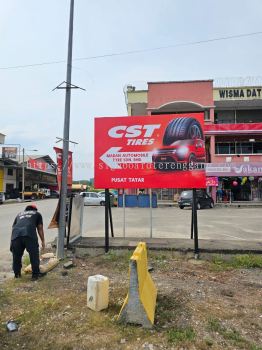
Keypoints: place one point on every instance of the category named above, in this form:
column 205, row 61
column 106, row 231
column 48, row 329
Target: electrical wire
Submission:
column 132, row 52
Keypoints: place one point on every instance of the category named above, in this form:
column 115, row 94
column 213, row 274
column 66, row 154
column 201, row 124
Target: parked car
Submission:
column 203, row 199
column 54, row 194
column 113, row 197
column 92, row 198
column 2, row 197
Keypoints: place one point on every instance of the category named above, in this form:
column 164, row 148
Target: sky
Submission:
column 32, row 115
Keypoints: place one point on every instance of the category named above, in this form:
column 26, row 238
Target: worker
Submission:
column 24, row 236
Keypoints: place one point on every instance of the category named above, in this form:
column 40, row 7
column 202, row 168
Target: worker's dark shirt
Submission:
column 25, row 224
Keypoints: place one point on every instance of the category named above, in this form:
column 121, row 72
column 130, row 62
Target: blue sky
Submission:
column 37, row 31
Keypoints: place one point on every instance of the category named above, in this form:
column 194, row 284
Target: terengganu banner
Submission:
column 159, row 151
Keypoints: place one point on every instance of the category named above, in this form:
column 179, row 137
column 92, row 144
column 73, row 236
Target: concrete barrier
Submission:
column 140, row 303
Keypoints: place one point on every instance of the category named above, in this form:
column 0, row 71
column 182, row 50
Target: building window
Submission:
column 206, row 115
column 10, row 172
column 225, row 148
column 249, row 116
column 225, row 117
column 257, row 147
column 238, row 147
column 244, row 148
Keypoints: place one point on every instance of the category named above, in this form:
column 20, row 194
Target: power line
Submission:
column 132, row 52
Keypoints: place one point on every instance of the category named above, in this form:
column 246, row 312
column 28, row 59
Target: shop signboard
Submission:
column 9, row 152
column 238, row 93
column 234, row 169
column 59, row 156
column 40, row 165
column 211, row 181
column 160, row 151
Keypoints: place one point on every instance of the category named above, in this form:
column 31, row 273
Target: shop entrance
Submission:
column 239, row 189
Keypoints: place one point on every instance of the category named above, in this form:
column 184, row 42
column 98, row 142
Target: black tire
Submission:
column 181, row 207
column 198, row 206
column 34, row 197
column 102, row 203
column 182, row 129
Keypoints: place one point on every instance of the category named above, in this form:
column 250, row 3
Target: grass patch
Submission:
column 179, row 335
column 169, row 308
column 247, row 261
column 232, row 335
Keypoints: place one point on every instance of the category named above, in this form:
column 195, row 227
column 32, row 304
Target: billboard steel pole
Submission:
column 63, row 193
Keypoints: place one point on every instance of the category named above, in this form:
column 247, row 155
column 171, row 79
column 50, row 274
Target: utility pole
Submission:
column 63, row 192
column 23, row 176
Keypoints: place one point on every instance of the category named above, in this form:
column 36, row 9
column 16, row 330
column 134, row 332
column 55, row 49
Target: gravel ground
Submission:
column 201, row 304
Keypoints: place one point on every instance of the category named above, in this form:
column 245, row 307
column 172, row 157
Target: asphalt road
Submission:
column 219, row 223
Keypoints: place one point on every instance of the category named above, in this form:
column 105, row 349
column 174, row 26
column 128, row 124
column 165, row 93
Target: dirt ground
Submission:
column 213, row 303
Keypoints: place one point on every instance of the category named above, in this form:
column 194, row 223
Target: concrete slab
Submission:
column 175, row 244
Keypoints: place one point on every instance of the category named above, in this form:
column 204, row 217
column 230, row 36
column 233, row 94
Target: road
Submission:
column 218, row 223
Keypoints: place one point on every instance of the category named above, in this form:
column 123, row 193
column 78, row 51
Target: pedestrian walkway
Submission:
column 176, row 244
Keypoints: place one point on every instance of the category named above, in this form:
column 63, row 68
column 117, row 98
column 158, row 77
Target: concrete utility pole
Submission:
column 23, row 176
column 63, row 192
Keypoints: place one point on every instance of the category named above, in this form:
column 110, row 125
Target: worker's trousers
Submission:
column 18, row 247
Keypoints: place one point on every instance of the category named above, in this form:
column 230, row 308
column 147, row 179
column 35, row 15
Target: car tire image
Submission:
column 102, row 203
column 34, row 197
column 198, row 206
column 182, row 129
column 181, row 207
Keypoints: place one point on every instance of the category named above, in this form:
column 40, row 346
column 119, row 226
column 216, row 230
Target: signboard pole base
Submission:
column 192, row 220
column 111, row 219
column 69, row 221
column 107, row 204
column 195, row 227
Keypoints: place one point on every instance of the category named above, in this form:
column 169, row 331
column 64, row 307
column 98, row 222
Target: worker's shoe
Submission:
column 39, row 275
column 18, row 275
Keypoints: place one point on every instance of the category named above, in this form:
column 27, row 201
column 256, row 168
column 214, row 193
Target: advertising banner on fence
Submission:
column 59, row 156
column 160, row 151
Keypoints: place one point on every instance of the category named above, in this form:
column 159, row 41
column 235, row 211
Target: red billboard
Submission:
column 160, row 151
column 59, row 156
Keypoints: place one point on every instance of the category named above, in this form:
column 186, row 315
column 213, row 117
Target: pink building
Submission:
column 233, row 129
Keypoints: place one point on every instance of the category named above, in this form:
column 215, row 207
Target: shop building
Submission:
column 39, row 171
column 233, row 131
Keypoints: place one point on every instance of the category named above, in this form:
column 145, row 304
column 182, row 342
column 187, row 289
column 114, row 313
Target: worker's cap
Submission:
column 31, row 207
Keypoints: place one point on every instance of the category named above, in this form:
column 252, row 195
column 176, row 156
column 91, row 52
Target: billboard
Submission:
column 59, row 156
column 9, row 152
column 160, row 151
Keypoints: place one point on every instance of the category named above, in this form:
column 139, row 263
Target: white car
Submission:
column 92, row 198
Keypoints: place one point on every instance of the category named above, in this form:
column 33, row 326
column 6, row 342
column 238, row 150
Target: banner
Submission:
column 40, row 165
column 9, row 152
column 159, row 151
column 59, row 156
column 234, row 169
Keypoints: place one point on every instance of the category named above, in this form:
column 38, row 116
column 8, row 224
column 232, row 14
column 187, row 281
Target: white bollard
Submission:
column 97, row 292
